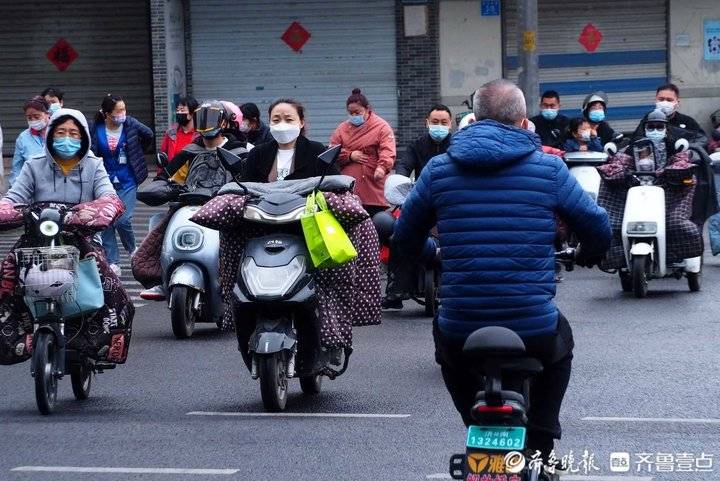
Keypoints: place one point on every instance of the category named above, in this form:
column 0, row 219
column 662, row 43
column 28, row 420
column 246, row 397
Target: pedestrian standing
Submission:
column 121, row 140
column 31, row 141
column 254, row 129
column 182, row 131
column 54, row 97
column 368, row 151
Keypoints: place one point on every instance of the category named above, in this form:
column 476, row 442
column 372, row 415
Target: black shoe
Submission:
column 392, row 304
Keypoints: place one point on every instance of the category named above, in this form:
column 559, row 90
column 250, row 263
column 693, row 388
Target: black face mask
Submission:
column 182, row 119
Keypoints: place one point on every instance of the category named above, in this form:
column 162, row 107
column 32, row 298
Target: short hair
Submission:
column 440, row 107
column 575, row 124
column 500, row 100
column 250, row 111
column 669, row 86
column 550, row 94
column 190, row 102
column 53, row 92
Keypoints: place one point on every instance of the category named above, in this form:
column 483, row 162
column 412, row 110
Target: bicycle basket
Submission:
column 48, row 273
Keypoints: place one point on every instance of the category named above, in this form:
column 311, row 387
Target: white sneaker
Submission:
column 156, row 293
column 116, row 269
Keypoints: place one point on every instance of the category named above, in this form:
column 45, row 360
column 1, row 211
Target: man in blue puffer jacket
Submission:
column 494, row 196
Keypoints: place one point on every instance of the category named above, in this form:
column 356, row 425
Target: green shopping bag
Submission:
column 326, row 240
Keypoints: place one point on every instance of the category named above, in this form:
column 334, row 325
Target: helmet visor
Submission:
column 208, row 119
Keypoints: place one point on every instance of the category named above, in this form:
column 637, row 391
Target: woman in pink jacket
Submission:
column 368, row 151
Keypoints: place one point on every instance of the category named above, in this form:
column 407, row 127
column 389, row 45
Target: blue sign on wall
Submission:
column 490, row 8
column 711, row 46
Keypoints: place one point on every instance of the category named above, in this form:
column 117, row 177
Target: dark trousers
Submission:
column 546, row 390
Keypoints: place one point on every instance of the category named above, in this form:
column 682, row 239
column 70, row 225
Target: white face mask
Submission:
column 585, row 135
column 667, row 107
column 245, row 127
column 37, row 124
column 284, row 133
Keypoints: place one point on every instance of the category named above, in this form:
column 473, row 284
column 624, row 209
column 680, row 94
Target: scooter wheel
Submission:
column 693, row 279
column 639, row 276
column 81, row 379
column 273, row 381
column 182, row 314
column 43, row 361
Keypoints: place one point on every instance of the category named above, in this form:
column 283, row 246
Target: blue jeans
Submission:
column 123, row 226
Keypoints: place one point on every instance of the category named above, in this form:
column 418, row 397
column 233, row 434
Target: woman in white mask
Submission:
column 31, row 141
column 290, row 155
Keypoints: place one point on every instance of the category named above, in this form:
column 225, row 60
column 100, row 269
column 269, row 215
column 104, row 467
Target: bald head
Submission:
column 500, row 100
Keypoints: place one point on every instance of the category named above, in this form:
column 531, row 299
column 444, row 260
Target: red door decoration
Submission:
column 62, row 54
column 590, row 37
column 296, row 36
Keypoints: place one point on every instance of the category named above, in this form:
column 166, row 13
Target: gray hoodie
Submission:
column 42, row 180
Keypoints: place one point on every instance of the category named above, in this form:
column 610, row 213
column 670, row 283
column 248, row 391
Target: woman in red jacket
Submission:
column 368, row 151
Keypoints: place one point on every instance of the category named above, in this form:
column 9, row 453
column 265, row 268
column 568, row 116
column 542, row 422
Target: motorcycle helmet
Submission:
column 47, row 283
column 593, row 98
column 210, row 118
column 235, row 115
column 397, row 188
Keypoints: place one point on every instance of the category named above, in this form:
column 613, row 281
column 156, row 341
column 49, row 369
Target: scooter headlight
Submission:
column 188, row 239
column 272, row 281
column 49, row 228
column 642, row 228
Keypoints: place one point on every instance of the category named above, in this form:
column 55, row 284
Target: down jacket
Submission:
column 494, row 196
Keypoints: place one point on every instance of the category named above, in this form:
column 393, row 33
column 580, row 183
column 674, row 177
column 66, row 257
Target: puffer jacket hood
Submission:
column 490, row 145
column 85, row 131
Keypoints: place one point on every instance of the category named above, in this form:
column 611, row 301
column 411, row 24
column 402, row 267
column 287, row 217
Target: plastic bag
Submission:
column 326, row 240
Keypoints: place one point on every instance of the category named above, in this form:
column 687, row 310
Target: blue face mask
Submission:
column 655, row 135
column 66, row 147
column 357, row 120
column 549, row 114
column 596, row 116
column 438, row 132
column 54, row 108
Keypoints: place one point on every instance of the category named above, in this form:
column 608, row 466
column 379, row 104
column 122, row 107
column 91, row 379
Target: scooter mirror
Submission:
column 610, row 148
column 330, row 155
column 232, row 162
column 161, row 159
column 682, row 145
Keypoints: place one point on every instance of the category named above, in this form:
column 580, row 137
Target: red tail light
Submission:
column 504, row 409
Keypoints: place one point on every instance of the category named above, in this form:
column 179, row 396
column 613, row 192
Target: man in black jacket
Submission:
column 551, row 125
column 434, row 141
column 667, row 99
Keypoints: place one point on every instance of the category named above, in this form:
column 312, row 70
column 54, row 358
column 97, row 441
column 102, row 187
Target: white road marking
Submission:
column 654, row 420
column 299, row 415
column 79, row 469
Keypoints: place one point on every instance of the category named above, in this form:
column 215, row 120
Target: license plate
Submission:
column 496, row 437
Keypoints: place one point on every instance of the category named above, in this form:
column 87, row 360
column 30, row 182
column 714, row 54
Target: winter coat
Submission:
column 418, row 153
column 42, row 180
column 572, row 145
column 493, row 197
column 261, row 161
column 682, row 125
column 374, row 138
column 544, row 128
column 259, row 136
column 27, row 145
column 170, row 144
column 138, row 138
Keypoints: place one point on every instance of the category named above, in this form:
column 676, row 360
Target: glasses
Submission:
column 655, row 127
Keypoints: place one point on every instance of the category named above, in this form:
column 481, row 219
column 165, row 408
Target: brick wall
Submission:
column 418, row 73
column 159, row 67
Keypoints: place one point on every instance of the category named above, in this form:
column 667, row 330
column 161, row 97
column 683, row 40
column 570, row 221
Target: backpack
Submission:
column 207, row 173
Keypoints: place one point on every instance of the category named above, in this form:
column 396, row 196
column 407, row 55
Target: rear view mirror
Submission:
column 232, row 162
column 330, row 155
column 610, row 148
column 682, row 145
column 161, row 159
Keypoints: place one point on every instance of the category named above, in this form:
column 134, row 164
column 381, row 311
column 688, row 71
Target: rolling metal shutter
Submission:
column 238, row 55
column 628, row 65
column 112, row 41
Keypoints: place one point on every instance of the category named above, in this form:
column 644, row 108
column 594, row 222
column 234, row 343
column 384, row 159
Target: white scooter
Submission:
column 643, row 229
column 583, row 166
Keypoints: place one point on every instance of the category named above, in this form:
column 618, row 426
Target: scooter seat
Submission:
column 505, row 395
column 493, row 341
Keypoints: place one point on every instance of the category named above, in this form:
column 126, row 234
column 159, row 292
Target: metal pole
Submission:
column 529, row 80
